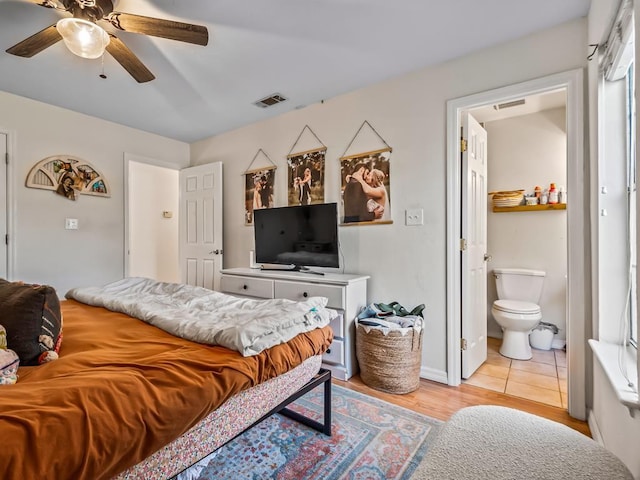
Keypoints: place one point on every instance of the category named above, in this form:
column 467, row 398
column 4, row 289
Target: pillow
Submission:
column 9, row 361
column 31, row 316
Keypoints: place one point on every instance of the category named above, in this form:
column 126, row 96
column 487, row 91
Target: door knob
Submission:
column 215, row 252
column 487, row 257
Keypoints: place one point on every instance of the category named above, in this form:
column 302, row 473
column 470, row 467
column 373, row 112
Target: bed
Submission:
column 126, row 399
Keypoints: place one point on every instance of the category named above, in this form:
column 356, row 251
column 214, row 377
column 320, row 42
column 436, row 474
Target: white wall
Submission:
column 44, row 251
column 523, row 152
column 618, row 431
column 153, row 239
column 406, row 264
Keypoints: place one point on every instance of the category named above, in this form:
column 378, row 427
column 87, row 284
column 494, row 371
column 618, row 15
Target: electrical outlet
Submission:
column 414, row 216
column 71, row 223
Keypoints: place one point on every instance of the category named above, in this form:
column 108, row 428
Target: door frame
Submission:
column 577, row 251
column 128, row 158
column 11, row 202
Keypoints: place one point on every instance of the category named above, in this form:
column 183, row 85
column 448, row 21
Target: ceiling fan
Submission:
column 86, row 38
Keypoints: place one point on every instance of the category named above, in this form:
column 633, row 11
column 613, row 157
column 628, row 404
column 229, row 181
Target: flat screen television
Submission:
column 294, row 238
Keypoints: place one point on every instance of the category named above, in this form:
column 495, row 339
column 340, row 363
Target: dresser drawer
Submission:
column 250, row 287
column 302, row 291
column 337, row 324
column 335, row 354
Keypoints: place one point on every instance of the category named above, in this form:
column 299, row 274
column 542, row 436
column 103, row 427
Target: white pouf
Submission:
column 498, row 443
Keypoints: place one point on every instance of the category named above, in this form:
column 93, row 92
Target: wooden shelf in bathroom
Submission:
column 531, row 208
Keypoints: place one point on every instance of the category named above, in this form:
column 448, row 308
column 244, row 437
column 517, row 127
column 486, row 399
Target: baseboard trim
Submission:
column 433, row 374
column 593, row 426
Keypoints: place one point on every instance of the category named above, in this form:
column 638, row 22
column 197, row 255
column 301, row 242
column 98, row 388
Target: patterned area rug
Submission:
column 372, row 439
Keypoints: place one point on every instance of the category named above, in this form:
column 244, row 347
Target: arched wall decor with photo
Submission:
column 306, row 170
column 365, row 183
column 68, row 176
column 258, row 187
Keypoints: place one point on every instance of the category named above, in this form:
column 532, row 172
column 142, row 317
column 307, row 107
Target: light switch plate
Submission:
column 414, row 216
column 71, row 223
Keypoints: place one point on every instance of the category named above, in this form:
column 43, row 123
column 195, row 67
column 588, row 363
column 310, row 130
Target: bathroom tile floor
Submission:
column 542, row 379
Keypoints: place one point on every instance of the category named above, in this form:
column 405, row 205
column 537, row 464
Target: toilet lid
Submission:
column 516, row 306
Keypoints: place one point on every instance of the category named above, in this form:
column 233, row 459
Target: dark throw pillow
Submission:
column 31, row 315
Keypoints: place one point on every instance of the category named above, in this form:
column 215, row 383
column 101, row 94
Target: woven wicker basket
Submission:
column 391, row 362
column 509, row 198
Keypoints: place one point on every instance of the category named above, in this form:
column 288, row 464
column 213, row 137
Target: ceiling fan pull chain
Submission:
column 102, row 75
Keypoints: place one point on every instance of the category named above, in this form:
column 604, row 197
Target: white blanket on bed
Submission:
column 201, row 315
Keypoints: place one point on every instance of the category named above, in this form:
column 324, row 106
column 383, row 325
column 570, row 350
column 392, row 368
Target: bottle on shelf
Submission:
column 537, row 192
column 544, row 198
column 562, row 195
column 553, row 194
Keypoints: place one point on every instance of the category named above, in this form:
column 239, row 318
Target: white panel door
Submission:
column 474, row 231
column 3, row 206
column 201, row 225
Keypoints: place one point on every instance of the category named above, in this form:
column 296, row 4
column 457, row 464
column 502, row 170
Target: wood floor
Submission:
column 440, row 401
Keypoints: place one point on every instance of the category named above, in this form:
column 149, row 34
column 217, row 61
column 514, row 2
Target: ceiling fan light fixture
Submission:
column 82, row 37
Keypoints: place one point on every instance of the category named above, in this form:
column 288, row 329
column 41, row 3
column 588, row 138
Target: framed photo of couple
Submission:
column 365, row 188
column 306, row 177
column 258, row 191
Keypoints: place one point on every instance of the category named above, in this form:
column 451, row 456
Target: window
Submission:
column 618, row 241
column 618, row 174
column 619, row 67
column 631, row 204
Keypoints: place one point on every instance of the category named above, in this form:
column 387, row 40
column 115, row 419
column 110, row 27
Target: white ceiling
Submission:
column 307, row 50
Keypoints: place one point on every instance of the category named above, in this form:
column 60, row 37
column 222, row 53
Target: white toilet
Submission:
column 517, row 310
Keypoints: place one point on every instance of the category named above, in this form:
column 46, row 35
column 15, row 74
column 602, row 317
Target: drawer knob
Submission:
column 305, row 294
column 328, row 350
column 244, row 287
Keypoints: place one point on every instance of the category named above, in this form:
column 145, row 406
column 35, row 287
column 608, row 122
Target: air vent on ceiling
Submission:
column 270, row 100
column 514, row 103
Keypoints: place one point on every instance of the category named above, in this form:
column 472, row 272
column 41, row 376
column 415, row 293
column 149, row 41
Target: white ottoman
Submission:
column 498, row 443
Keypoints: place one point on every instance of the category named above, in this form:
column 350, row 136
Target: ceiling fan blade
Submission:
column 156, row 27
column 48, row 4
column 36, row 43
column 128, row 60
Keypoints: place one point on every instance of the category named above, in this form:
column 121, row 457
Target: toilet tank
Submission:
column 519, row 284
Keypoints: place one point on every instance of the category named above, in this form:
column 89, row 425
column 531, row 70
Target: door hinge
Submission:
column 6, row 239
column 6, row 158
column 463, row 145
column 463, row 244
column 463, row 344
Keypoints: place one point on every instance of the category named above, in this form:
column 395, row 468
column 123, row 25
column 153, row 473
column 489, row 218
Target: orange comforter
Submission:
column 120, row 390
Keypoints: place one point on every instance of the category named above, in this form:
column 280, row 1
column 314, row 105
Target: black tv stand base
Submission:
column 294, row 268
column 308, row 270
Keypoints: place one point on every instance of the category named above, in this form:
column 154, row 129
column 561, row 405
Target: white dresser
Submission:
column 346, row 293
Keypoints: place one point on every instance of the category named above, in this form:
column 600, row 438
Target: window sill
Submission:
column 607, row 355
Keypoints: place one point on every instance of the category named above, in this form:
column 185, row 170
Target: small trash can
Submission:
column 541, row 336
column 389, row 352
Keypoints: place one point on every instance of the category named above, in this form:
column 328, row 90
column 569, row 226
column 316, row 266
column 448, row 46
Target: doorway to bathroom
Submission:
column 514, row 239
column 526, row 150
